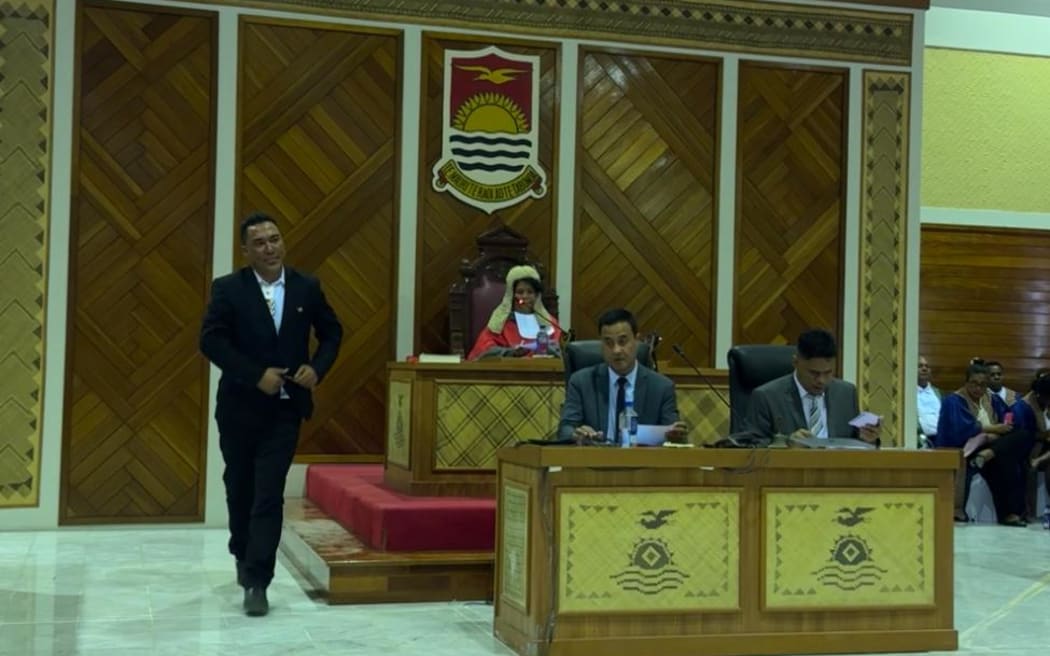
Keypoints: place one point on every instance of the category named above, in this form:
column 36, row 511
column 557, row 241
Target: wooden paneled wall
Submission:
column 645, row 197
column 984, row 292
column 791, row 171
column 136, row 388
column 318, row 139
column 447, row 227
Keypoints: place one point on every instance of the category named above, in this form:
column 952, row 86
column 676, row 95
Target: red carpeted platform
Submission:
column 354, row 496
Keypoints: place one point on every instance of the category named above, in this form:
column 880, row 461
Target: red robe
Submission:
column 509, row 337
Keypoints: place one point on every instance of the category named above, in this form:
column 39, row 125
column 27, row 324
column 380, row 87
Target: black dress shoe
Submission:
column 255, row 603
column 240, row 574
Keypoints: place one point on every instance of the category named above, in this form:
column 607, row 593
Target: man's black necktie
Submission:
column 621, row 403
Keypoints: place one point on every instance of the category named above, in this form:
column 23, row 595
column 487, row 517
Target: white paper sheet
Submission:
column 865, row 419
column 649, row 435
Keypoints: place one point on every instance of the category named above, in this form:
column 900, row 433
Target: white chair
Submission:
column 980, row 506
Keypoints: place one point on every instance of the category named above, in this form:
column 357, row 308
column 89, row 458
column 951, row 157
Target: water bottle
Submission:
column 542, row 341
column 628, row 424
column 1046, row 518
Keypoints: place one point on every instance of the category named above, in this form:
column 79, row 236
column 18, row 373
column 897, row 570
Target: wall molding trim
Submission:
column 26, row 43
column 985, row 218
column 881, row 376
column 727, row 25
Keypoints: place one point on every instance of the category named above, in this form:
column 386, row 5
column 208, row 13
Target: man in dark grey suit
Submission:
column 809, row 402
column 588, row 416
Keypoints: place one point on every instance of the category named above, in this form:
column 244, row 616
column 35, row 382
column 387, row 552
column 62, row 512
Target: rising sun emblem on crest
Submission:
column 490, row 112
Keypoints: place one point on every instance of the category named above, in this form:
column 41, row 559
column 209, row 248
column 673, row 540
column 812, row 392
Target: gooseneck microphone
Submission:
column 707, row 381
column 549, row 397
column 738, row 439
column 550, row 317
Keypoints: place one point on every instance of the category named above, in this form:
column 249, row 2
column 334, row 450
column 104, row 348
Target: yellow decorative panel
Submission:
column 705, row 414
column 841, row 549
column 514, row 542
column 25, row 137
column 475, row 420
column 881, row 379
column 985, row 137
column 648, row 549
column 399, row 423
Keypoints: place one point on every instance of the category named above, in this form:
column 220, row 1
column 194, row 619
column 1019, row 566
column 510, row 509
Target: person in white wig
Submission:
column 518, row 319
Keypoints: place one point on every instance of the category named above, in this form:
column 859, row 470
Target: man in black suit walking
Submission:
column 256, row 329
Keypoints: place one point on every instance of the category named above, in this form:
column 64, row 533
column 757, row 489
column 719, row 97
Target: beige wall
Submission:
column 986, row 133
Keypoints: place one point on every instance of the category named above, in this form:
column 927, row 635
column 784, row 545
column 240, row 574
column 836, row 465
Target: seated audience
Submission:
column 929, row 405
column 995, row 383
column 517, row 321
column 588, row 415
column 810, row 402
column 970, row 412
column 1030, row 413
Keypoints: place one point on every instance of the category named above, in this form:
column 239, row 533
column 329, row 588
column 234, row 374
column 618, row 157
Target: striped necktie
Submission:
column 816, row 421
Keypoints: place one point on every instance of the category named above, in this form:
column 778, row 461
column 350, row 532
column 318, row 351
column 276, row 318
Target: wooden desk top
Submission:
column 775, row 458
column 717, row 376
column 489, row 364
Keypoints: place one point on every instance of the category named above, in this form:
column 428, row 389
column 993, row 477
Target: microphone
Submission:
column 550, row 317
column 549, row 400
column 742, row 439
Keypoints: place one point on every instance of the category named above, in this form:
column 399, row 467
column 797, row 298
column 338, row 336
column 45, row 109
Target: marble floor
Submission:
column 171, row 591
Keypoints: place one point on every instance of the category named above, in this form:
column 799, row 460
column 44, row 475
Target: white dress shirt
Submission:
column 528, row 326
column 274, row 291
column 807, row 403
column 612, row 435
column 929, row 408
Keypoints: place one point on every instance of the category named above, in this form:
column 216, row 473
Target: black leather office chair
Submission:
column 588, row 352
column 750, row 366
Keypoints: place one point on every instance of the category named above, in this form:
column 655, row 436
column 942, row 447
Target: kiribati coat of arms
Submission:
column 490, row 133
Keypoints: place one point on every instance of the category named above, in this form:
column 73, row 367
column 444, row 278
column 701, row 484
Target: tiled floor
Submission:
column 138, row 592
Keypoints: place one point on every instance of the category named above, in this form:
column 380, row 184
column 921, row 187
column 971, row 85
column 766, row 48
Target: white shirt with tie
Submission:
column 613, row 435
column 273, row 293
column 807, row 406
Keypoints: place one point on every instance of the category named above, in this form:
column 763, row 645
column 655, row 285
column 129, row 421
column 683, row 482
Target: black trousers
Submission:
column 1006, row 474
column 258, row 451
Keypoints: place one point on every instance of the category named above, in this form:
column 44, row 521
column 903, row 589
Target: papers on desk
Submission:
column 830, row 443
column 649, row 435
column 440, row 358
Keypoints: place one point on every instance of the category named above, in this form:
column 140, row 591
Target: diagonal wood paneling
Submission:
column 447, row 227
column 318, row 151
column 645, row 208
column 984, row 292
column 134, row 440
column 791, row 165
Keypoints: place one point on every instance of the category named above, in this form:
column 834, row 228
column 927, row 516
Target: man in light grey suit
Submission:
column 809, row 402
column 588, row 415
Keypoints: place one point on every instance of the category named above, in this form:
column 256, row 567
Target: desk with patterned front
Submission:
column 710, row 551
column 446, row 422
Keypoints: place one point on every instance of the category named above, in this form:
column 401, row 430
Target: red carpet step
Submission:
column 383, row 519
